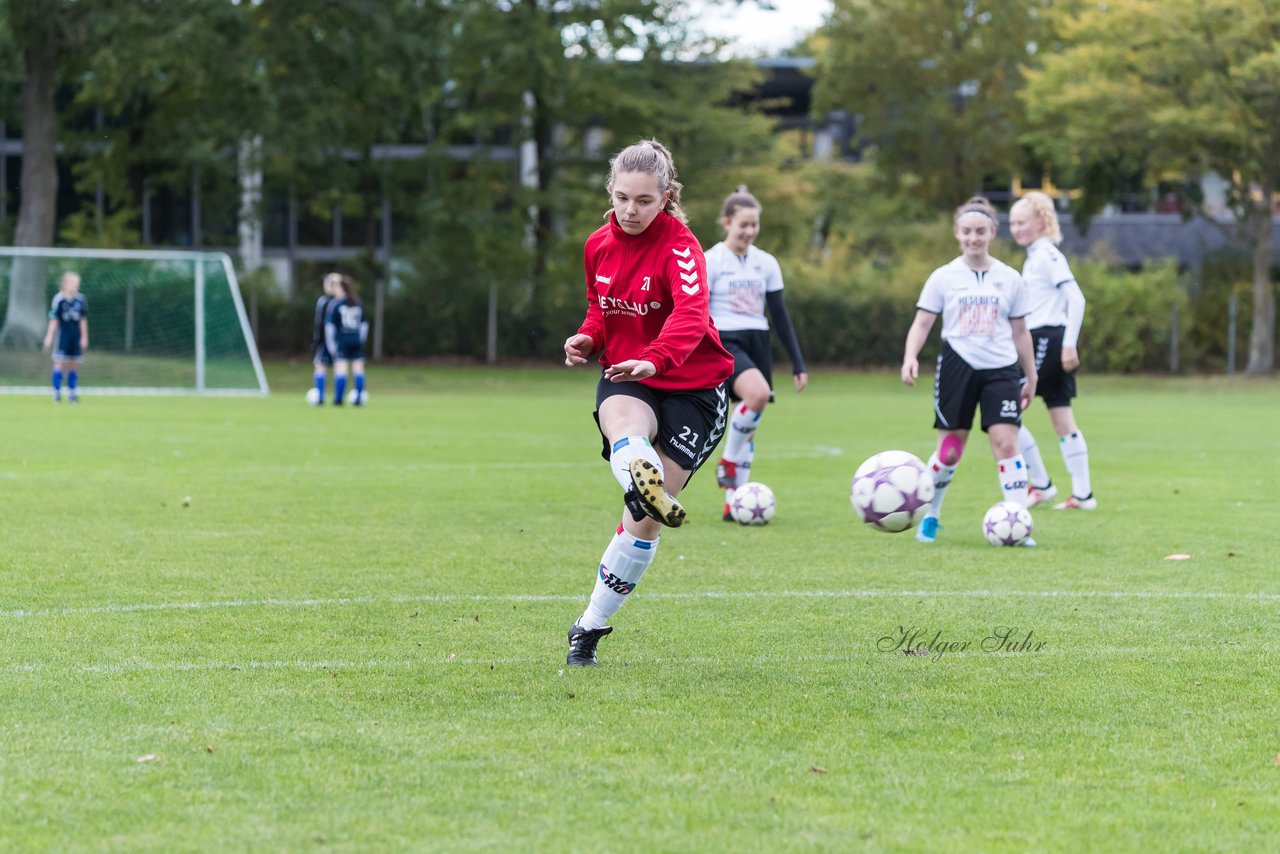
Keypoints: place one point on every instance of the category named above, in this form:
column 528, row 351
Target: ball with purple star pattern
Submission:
column 1007, row 524
column 752, row 504
column 891, row 491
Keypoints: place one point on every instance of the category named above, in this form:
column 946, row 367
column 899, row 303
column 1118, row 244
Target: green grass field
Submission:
column 353, row 635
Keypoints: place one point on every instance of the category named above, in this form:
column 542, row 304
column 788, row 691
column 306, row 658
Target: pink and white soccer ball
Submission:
column 1007, row 524
column 891, row 491
column 752, row 504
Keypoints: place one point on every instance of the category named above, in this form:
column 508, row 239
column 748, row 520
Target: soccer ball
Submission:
column 891, row 491
column 1007, row 524
column 313, row 397
column 752, row 504
column 361, row 397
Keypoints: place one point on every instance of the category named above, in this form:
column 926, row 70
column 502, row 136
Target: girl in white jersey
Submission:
column 1057, row 311
column 744, row 280
column 983, row 304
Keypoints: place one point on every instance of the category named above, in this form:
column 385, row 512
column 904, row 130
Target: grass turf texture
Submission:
column 353, row 634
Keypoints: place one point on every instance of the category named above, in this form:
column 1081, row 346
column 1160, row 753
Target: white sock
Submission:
column 627, row 449
column 742, row 431
column 1013, row 479
column 624, row 561
column 1075, row 453
column 941, row 480
column 1037, row 474
column 743, row 473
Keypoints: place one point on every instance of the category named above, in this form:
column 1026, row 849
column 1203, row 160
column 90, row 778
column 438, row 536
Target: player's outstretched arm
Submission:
column 577, row 348
column 631, row 369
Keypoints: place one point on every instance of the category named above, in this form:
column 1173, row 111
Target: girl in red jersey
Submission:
column 660, row 402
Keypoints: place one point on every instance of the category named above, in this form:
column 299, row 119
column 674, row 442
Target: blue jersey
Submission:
column 346, row 329
column 69, row 311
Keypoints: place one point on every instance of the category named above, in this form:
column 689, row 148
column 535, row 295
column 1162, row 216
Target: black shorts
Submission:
column 1055, row 385
column 690, row 423
column 959, row 389
column 349, row 351
column 322, row 356
column 68, row 348
column 750, row 348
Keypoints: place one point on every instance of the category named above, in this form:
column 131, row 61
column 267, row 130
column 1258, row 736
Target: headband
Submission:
column 976, row 209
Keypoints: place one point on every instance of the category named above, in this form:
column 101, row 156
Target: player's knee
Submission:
column 950, row 449
column 1005, row 447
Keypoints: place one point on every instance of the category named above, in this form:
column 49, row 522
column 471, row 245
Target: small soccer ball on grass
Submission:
column 891, row 491
column 357, row 398
column 313, row 397
column 1007, row 524
column 753, row 504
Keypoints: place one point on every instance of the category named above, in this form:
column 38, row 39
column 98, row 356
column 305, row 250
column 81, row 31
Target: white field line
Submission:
column 854, row 654
column 447, row 598
column 303, row 468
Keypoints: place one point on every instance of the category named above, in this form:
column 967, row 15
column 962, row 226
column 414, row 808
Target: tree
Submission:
column 1173, row 88
column 932, row 83
column 43, row 33
column 575, row 80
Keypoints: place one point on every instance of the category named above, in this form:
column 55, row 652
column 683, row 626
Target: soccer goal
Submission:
column 159, row 322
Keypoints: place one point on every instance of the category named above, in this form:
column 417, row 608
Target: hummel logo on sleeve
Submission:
column 686, row 265
column 684, row 254
column 690, row 277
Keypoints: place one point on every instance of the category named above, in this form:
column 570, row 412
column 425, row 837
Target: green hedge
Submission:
column 851, row 304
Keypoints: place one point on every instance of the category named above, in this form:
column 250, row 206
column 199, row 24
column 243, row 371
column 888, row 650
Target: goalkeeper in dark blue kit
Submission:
column 322, row 359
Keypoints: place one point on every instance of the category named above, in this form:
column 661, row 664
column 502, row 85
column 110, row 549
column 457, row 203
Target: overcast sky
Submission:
column 756, row 32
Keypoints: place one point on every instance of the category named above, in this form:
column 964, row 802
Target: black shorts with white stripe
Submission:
column 959, row 389
column 690, row 423
column 1055, row 385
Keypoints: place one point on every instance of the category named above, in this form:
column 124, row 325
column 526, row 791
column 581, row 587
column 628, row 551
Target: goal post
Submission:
column 160, row 322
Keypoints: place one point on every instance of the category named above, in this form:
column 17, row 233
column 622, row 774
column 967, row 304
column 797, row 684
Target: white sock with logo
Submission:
column 1013, row 479
column 740, row 435
column 1075, row 453
column 941, row 480
column 624, row 561
column 627, row 449
column 1037, row 474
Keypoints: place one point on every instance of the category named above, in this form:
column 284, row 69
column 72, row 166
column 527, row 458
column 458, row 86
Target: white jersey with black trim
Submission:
column 1056, row 298
column 738, row 286
column 976, row 307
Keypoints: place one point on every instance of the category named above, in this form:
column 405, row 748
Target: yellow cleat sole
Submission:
column 653, row 494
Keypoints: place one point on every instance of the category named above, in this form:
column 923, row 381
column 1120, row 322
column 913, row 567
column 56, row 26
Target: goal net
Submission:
column 159, row 322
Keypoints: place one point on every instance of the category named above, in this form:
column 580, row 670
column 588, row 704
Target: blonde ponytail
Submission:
column 1042, row 206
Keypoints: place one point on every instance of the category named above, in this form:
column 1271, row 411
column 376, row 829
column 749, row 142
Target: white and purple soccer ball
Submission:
column 753, row 504
column 891, row 491
column 313, row 397
column 358, row 398
column 1007, row 524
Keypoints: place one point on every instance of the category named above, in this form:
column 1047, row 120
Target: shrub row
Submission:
column 847, row 311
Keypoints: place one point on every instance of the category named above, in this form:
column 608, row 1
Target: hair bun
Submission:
column 742, row 188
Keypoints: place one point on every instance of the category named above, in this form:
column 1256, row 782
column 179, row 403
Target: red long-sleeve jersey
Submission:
column 648, row 298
